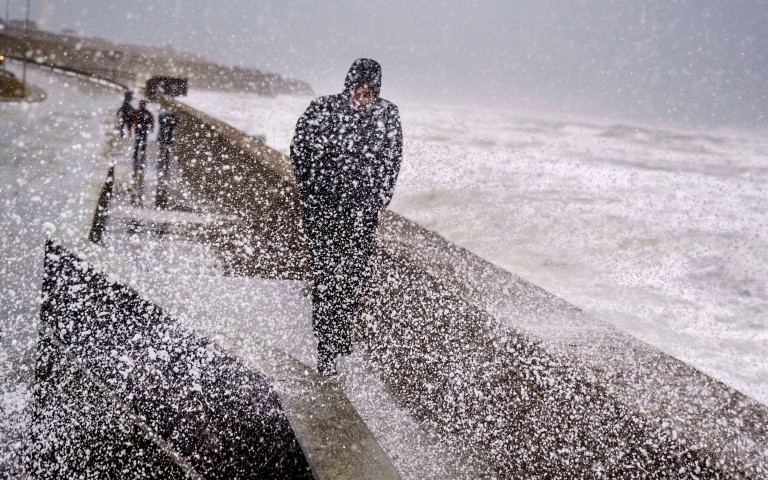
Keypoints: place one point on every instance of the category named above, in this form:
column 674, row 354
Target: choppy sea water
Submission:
column 663, row 233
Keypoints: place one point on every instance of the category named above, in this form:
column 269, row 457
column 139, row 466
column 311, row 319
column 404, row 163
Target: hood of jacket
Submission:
column 363, row 71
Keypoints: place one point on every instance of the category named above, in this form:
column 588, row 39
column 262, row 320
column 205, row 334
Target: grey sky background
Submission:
column 685, row 62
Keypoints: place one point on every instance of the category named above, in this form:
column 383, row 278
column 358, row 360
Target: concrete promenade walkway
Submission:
column 184, row 262
column 48, row 150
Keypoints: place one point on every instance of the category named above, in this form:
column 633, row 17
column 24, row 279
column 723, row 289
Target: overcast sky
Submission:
column 687, row 62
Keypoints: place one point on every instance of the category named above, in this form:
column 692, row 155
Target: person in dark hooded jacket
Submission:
column 346, row 155
column 143, row 123
column 167, row 122
column 125, row 116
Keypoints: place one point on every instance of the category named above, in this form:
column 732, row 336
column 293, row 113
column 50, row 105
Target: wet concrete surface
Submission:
column 147, row 398
column 48, row 150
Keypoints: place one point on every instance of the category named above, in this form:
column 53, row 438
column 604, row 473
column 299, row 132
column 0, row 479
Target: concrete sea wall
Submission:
column 506, row 370
column 502, row 366
column 122, row 391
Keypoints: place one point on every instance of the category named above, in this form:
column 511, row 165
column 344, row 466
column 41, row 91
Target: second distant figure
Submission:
column 166, row 124
column 143, row 123
column 125, row 116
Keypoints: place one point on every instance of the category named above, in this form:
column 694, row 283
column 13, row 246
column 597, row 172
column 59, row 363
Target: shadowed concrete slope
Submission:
column 121, row 390
column 499, row 364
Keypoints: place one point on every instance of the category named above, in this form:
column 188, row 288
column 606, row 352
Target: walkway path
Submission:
column 47, row 151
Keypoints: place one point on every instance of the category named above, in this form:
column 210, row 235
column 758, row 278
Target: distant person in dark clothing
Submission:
column 167, row 122
column 346, row 155
column 125, row 116
column 143, row 123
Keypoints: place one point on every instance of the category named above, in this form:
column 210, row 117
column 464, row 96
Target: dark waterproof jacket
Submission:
column 167, row 123
column 346, row 160
column 143, row 122
column 125, row 114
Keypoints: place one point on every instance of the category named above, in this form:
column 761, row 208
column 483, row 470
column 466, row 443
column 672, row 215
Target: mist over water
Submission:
column 688, row 63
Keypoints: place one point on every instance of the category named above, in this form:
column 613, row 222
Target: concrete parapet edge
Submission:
column 605, row 378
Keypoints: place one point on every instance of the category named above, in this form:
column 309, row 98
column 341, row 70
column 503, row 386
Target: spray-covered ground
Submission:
column 664, row 233
column 47, row 151
column 248, row 316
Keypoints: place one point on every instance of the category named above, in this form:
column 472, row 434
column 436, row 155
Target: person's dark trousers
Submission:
column 139, row 160
column 163, row 176
column 125, row 129
column 340, row 251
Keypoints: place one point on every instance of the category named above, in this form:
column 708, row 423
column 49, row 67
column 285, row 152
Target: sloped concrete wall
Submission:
column 538, row 410
column 104, row 443
column 122, row 391
column 228, row 171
